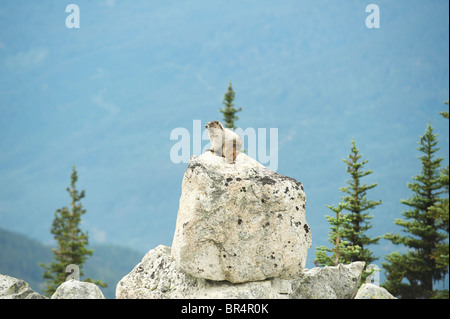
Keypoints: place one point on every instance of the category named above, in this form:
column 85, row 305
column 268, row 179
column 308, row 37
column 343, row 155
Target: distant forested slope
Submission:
column 20, row 257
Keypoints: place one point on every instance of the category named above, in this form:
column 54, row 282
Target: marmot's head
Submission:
column 214, row 125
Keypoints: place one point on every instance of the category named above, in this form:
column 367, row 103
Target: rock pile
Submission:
column 13, row 288
column 240, row 233
column 157, row 276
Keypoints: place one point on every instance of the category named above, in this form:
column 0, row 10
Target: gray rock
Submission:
column 157, row 276
column 75, row 289
column 13, row 288
column 371, row 291
column 240, row 222
column 329, row 282
column 265, row 289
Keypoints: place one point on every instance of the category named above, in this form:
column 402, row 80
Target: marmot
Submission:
column 224, row 142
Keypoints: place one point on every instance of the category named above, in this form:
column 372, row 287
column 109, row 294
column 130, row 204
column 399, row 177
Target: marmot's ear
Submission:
column 220, row 125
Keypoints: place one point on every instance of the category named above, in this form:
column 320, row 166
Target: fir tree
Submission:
column 358, row 205
column 341, row 251
column 71, row 241
column 445, row 113
column 411, row 275
column 440, row 212
column 229, row 112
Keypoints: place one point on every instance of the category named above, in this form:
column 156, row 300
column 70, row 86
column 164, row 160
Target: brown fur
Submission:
column 224, row 142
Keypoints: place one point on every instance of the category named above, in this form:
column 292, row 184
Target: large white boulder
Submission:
column 240, row 222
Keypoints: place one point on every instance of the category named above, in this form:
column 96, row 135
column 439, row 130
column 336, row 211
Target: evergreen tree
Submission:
column 341, row 251
column 71, row 242
column 229, row 112
column 440, row 212
column 411, row 275
column 445, row 113
column 357, row 206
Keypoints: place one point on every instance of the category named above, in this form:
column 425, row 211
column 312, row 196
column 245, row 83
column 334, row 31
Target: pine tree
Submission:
column 440, row 212
column 358, row 205
column 341, row 251
column 445, row 113
column 71, row 242
column 229, row 112
column 411, row 275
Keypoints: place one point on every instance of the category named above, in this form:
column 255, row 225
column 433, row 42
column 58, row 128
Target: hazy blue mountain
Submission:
column 20, row 257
